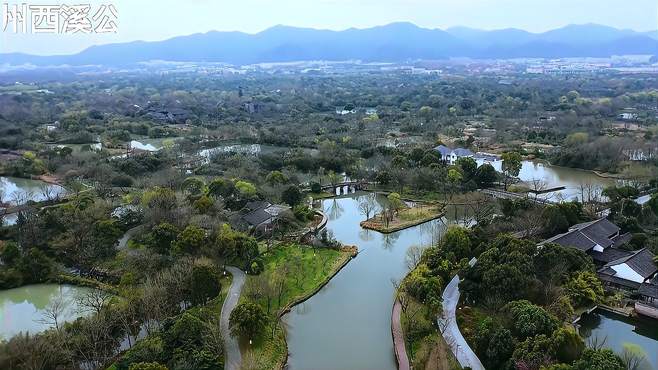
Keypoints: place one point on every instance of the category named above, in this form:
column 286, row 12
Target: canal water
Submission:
column 347, row 325
column 22, row 309
column 616, row 331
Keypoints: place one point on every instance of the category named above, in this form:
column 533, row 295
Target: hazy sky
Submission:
column 161, row 19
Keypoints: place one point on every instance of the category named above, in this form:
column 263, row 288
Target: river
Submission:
column 22, row 309
column 618, row 330
column 347, row 325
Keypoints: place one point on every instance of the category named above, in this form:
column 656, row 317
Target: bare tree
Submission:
column 52, row 314
column 634, row 357
column 367, row 205
column 413, row 256
column 95, row 300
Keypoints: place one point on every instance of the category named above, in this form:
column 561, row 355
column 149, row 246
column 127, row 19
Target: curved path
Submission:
column 398, row 337
column 123, row 241
column 232, row 358
column 450, row 330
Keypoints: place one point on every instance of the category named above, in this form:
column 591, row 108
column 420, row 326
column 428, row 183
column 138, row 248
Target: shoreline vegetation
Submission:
column 294, row 273
column 403, row 218
column 422, row 335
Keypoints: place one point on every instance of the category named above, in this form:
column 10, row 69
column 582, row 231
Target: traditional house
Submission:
column 629, row 272
column 598, row 239
column 451, row 156
column 618, row 268
column 259, row 215
column 647, row 304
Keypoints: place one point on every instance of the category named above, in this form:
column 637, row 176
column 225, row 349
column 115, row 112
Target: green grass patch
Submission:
column 425, row 346
column 292, row 273
column 405, row 218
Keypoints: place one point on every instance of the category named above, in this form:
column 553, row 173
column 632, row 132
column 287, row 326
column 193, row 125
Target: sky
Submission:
column 161, row 19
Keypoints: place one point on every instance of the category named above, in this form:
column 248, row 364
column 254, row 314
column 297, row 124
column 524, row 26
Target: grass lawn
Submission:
column 301, row 271
column 405, row 218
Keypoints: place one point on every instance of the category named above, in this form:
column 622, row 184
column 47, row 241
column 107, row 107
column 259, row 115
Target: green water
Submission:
column 347, row 325
column 578, row 183
column 618, row 330
column 15, row 190
column 22, row 309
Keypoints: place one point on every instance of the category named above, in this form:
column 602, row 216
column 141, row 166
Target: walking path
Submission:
column 123, row 242
column 232, row 358
column 398, row 337
column 451, row 333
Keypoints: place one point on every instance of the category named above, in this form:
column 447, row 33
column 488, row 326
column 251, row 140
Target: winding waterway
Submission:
column 347, row 325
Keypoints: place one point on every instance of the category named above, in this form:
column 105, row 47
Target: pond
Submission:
column 22, row 309
column 347, row 325
column 15, row 190
column 575, row 181
column 617, row 330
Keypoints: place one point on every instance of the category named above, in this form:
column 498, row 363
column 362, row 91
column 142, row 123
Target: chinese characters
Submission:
column 59, row 19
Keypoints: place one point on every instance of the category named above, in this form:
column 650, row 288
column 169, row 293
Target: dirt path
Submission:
column 398, row 337
column 233, row 357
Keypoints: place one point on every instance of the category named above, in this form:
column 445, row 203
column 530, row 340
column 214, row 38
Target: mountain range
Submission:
column 394, row 42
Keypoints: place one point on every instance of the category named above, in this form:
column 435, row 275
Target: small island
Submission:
column 398, row 215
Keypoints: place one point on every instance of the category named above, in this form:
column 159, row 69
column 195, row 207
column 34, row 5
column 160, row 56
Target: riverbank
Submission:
column 416, row 338
column 293, row 274
column 404, row 219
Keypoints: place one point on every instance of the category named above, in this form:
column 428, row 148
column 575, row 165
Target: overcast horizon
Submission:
column 153, row 20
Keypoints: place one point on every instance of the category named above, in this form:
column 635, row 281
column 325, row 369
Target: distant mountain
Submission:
column 394, row 42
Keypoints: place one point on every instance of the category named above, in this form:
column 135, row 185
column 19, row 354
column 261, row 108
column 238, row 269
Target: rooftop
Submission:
column 587, row 235
column 641, row 261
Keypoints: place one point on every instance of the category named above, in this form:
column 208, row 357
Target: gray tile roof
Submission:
column 641, row 261
column 604, row 275
column 622, row 239
column 610, row 254
column 257, row 217
column 444, row 150
column 461, row 152
column 587, row 235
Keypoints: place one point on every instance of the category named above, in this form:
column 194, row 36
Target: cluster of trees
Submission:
column 424, row 171
column 531, row 290
column 188, row 340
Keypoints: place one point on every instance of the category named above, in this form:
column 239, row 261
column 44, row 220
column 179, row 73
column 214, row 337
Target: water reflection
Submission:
column 16, row 190
column 578, row 183
column 614, row 331
column 22, row 309
column 347, row 325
